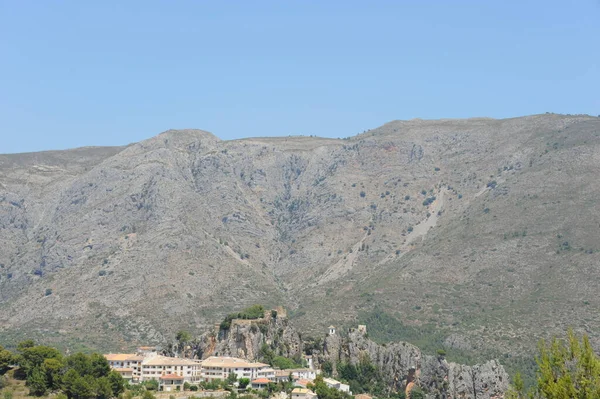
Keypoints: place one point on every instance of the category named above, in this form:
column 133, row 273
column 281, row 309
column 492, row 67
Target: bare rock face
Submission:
column 453, row 223
column 436, row 376
column 246, row 338
column 395, row 361
column 482, row 381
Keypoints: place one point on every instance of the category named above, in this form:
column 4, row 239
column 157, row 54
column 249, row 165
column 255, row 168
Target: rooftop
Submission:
column 160, row 360
column 301, row 390
column 171, row 377
column 261, row 381
column 121, row 357
column 225, row 361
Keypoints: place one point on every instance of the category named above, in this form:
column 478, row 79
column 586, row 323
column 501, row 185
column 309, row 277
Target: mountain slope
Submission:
column 482, row 229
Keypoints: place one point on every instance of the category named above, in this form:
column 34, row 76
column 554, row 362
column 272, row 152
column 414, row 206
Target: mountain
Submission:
column 480, row 233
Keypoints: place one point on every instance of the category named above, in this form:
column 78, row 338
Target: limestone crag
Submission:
column 245, row 338
column 481, row 381
column 434, row 374
column 395, row 361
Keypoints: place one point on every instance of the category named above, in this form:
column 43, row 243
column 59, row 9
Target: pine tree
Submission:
column 37, row 383
column 566, row 370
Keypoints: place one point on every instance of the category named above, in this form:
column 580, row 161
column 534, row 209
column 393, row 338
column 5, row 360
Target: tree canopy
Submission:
column 324, row 392
column 566, row 369
column 78, row 376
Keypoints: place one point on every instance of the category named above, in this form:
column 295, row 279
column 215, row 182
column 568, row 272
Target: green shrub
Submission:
column 285, row 363
column 151, row 385
column 252, row 313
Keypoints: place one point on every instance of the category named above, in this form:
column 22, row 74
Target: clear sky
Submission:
column 75, row 73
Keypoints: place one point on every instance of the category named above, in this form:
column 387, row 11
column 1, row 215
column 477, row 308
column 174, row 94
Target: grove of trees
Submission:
column 78, row 376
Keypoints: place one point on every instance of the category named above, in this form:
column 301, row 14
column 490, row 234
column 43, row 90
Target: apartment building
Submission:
column 156, row 366
column 220, row 367
column 129, row 365
column 297, row 374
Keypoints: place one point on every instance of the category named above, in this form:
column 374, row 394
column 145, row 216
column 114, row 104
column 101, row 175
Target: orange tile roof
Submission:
column 171, row 377
column 120, row 357
column 303, row 381
column 261, row 381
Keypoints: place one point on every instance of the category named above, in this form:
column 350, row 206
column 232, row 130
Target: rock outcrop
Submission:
column 250, row 339
column 247, row 339
column 433, row 373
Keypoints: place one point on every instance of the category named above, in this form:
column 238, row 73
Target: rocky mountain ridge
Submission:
column 476, row 229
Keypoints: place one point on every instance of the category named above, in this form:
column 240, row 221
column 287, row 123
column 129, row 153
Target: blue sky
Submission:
column 75, row 73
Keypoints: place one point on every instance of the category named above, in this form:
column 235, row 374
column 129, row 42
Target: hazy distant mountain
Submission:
column 487, row 231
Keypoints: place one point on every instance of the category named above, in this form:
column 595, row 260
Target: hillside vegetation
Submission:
column 478, row 230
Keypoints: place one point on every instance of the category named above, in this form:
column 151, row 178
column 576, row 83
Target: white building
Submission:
column 220, row 368
column 309, row 361
column 260, row 383
column 170, row 382
column 303, row 393
column 267, row 373
column 331, row 383
column 129, row 365
column 297, row 374
column 154, row 367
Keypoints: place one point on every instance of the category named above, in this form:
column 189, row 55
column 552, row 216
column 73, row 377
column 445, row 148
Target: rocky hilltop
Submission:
column 477, row 229
column 246, row 338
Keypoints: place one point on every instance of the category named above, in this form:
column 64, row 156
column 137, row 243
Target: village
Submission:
column 177, row 374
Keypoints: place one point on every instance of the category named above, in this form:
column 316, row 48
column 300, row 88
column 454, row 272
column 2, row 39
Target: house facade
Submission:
column 297, row 374
column 221, row 367
column 303, row 393
column 129, row 365
column 156, row 366
column 170, row 382
column 331, row 383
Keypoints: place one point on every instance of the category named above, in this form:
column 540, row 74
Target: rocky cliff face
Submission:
column 246, row 338
column 434, row 374
column 395, row 361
